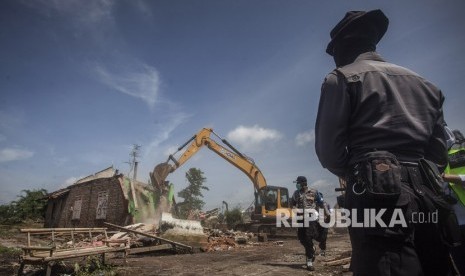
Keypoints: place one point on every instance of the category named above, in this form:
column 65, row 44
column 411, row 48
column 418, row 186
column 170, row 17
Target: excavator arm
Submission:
column 230, row 154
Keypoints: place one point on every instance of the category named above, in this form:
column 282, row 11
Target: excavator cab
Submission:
column 268, row 200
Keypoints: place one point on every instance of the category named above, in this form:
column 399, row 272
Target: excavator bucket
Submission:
column 162, row 188
column 159, row 174
column 181, row 230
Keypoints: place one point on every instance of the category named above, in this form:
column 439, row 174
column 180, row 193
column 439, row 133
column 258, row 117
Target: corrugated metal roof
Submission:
column 58, row 193
column 106, row 173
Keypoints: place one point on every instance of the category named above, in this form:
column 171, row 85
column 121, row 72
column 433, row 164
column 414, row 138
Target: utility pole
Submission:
column 133, row 166
column 133, row 160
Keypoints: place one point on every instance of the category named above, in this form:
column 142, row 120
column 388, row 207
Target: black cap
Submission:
column 375, row 18
column 301, row 179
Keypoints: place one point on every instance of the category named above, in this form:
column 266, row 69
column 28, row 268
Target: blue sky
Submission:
column 81, row 82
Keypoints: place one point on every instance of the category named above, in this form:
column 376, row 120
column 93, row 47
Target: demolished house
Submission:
column 105, row 196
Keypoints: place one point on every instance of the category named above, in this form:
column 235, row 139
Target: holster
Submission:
column 432, row 195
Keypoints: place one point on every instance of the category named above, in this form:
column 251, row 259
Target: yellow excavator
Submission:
column 268, row 199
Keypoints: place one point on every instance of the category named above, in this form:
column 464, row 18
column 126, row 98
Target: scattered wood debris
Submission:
column 342, row 261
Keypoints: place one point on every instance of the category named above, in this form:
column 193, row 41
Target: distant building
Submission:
column 105, row 196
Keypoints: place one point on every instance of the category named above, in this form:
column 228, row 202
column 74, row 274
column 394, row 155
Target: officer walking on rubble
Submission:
column 305, row 198
column 375, row 121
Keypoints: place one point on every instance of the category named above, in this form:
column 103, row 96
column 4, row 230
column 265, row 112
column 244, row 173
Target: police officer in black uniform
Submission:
column 305, row 198
column 367, row 105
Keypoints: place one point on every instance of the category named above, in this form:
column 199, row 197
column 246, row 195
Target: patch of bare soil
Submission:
column 8, row 264
column 281, row 257
column 274, row 257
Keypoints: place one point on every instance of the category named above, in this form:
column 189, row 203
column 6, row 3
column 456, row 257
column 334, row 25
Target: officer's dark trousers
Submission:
column 458, row 253
column 322, row 236
column 305, row 236
column 413, row 249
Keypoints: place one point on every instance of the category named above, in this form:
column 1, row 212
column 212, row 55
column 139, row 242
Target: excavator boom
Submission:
column 230, row 154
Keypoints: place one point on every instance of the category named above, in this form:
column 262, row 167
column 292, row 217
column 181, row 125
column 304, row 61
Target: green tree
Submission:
column 7, row 214
column 192, row 194
column 30, row 205
column 233, row 217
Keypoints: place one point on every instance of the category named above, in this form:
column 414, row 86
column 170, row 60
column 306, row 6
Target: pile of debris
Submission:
column 80, row 242
column 135, row 239
column 185, row 232
column 219, row 244
column 147, row 239
column 227, row 240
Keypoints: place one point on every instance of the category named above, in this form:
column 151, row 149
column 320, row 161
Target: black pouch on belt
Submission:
column 434, row 199
column 381, row 178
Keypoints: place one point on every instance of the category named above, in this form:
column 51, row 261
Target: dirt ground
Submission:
column 274, row 257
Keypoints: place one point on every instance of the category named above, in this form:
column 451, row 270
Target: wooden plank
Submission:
column 67, row 254
column 144, row 249
column 40, row 248
column 151, row 236
column 30, row 250
column 115, row 241
column 338, row 262
column 49, row 230
column 32, row 259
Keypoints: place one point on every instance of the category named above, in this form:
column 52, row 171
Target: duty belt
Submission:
column 405, row 167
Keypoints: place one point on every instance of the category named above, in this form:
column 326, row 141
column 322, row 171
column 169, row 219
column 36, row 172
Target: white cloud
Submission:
column 163, row 134
column 143, row 7
column 142, row 81
column 252, row 138
column 319, row 184
column 90, row 14
column 14, row 154
column 96, row 12
column 324, row 187
column 305, row 137
column 92, row 21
